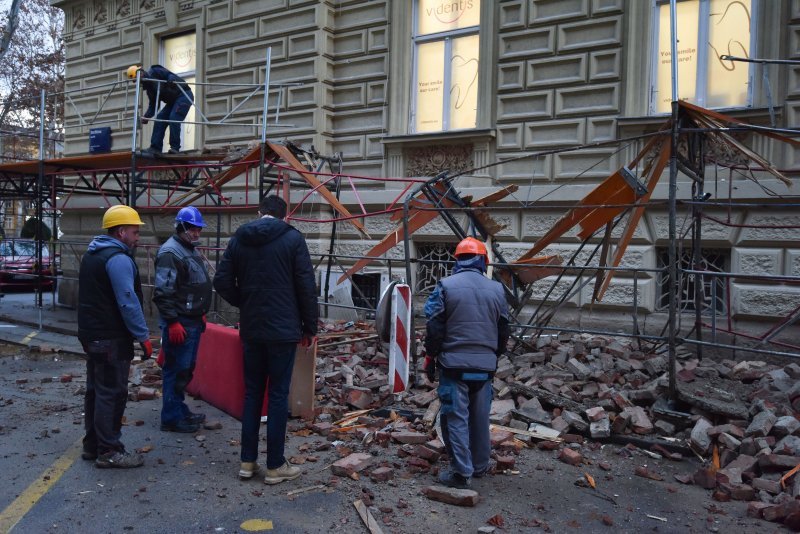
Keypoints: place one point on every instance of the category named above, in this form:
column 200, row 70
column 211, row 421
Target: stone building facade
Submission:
column 548, row 74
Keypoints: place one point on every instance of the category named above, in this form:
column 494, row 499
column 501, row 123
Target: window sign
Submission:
column 430, row 87
column 178, row 54
column 707, row 29
column 464, row 83
column 435, row 16
column 446, row 65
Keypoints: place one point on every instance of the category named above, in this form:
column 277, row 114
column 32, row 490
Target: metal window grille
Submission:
column 714, row 287
column 432, row 267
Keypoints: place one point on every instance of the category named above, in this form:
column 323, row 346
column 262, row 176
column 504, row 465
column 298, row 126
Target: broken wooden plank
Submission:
column 549, row 398
column 366, row 517
column 636, row 215
column 542, row 432
column 318, row 186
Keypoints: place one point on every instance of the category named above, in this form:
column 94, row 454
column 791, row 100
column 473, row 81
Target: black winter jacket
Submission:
column 167, row 92
column 267, row 273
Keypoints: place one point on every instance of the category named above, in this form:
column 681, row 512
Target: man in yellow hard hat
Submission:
column 110, row 319
column 162, row 85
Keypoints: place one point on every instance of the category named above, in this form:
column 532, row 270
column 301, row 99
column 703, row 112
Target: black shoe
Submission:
column 89, row 455
column 119, row 459
column 196, row 418
column 489, row 470
column 454, row 480
column 151, row 152
column 173, row 151
column 184, row 426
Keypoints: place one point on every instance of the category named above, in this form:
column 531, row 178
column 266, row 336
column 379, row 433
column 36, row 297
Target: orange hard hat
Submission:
column 470, row 245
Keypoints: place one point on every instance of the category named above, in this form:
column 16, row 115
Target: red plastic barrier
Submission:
column 219, row 371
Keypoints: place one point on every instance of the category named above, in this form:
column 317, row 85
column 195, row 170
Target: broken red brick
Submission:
column 353, row 463
column 505, row 462
column 409, row 437
column 646, row 473
column 756, row 508
column 382, row 474
column 458, row 497
column 568, row 456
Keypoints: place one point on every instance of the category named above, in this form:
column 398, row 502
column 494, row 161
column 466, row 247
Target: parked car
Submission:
column 18, row 264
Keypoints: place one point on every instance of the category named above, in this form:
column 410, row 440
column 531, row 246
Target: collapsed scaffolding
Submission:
column 537, row 285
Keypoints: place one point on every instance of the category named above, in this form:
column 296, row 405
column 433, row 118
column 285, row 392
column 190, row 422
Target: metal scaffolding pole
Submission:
column 673, row 190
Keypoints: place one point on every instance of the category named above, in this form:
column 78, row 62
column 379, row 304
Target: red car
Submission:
column 18, row 264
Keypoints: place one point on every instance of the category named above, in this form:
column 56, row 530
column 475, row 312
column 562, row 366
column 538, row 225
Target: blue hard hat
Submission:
column 190, row 215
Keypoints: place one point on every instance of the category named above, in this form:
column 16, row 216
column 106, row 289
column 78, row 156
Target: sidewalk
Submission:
column 20, row 321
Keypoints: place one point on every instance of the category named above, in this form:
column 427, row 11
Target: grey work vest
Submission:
column 473, row 305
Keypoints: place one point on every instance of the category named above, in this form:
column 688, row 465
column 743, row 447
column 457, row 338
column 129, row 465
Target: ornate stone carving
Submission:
column 100, row 12
column 78, row 18
column 124, row 8
column 146, row 4
column 433, row 159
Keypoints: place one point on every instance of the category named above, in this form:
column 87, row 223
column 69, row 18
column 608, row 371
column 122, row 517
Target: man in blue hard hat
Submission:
column 182, row 294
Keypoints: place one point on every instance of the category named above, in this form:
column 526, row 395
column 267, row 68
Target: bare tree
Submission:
column 32, row 61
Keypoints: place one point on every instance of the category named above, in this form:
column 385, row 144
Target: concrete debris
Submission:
column 563, row 393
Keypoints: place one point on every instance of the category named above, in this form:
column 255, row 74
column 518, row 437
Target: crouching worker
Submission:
column 182, row 295
column 466, row 331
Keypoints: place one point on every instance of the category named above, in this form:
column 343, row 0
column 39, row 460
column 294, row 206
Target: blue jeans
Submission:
column 465, row 423
column 176, row 112
column 107, row 365
column 177, row 372
column 262, row 362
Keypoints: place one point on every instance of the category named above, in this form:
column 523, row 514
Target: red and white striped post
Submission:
column 400, row 338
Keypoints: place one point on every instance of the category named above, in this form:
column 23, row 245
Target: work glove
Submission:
column 162, row 357
column 177, row 333
column 144, row 120
column 147, row 348
column 429, row 366
column 307, row 340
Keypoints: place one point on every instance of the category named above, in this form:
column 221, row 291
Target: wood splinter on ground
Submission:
column 366, row 517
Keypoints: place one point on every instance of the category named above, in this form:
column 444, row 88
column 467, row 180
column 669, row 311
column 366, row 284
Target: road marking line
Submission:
column 256, row 525
column 38, row 488
column 30, row 336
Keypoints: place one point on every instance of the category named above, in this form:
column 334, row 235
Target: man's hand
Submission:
column 177, row 333
column 144, row 120
column 429, row 366
column 307, row 340
column 147, row 348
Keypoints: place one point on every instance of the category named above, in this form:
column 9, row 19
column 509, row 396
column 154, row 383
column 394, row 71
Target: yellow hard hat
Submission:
column 131, row 72
column 120, row 215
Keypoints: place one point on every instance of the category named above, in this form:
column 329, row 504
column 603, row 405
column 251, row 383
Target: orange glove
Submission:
column 147, row 348
column 307, row 340
column 177, row 333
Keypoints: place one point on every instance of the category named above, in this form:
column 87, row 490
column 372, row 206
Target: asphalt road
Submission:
column 189, row 482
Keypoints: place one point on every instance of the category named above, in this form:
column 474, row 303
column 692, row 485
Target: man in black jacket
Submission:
column 267, row 273
column 182, row 294
column 162, row 85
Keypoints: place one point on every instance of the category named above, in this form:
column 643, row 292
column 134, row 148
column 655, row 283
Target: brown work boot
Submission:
column 248, row 469
column 284, row 472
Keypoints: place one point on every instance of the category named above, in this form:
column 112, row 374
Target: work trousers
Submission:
column 107, row 366
column 266, row 365
column 175, row 113
column 465, row 423
column 179, row 362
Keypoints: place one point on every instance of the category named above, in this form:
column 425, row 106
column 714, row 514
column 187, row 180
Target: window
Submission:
column 707, row 29
column 714, row 287
column 433, row 264
column 178, row 54
column 446, row 46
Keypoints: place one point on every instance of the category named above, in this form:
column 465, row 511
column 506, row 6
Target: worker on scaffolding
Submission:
column 467, row 330
column 182, row 294
column 164, row 86
column 110, row 318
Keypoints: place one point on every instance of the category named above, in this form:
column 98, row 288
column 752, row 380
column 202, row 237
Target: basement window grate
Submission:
column 432, row 266
column 714, row 287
